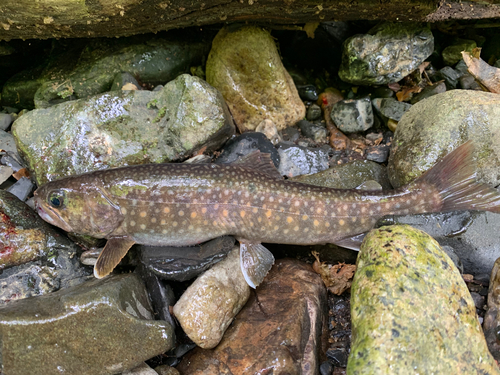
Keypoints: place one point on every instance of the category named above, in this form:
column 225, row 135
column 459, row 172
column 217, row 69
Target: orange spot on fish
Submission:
column 193, row 215
column 289, row 219
column 268, row 213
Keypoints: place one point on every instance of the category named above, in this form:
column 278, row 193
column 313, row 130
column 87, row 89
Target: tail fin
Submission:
column 454, row 177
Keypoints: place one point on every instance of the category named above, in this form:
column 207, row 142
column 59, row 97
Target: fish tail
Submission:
column 454, row 177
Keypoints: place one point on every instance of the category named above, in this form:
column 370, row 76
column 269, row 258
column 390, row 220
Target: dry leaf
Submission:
column 23, row 172
column 485, row 74
column 129, row 86
column 310, row 28
column 407, row 92
column 337, row 278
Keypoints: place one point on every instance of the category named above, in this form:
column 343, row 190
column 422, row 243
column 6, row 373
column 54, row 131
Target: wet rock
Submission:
column 428, row 91
column 468, row 82
column 298, row 160
column 313, row 112
column 308, row 93
column 313, row 131
column 449, row 119
column 142, row 369
column 391, row 108
column 353, row 115
column 379, row 154
column 160, row 294
column 471, row 235
column 348, row 176
column 101, row 326
column 237, row 57
column 5, row 173
column 290, row 134
column 90, row 69
column 388, row 53
column 399, row 318
column 326, row 368
column 245, row 144
column 123, row 79
column 21, row 189
column 287, row 312
column 268, row 128
column 6, row 120
column 166, row 370
column 210, row 304
column 13, row 161
column 123, row 128
column 27, row 238
column 8, row 143
column 185, row 263
column 453, row 53
column 450, row 77
column 491, row 325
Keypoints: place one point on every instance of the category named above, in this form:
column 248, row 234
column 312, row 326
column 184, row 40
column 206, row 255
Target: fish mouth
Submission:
column 50, row 216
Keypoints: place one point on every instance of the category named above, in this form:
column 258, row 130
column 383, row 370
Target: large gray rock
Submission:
column 123, row 128
column 387, row 54
column 100, row 327
column 84, row 70
column 245, row 66
column 411, row 310
column 434, row 127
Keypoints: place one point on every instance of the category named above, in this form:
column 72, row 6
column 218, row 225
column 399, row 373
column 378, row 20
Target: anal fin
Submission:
column 255, row 262
column 111, row 255
column 353, row 243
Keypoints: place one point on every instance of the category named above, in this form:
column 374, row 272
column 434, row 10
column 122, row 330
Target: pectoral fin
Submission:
column 255, row 262
column 110, row 256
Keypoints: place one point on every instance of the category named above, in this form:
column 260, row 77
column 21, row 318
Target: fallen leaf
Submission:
column 23, row 172
column 310, row 28
column 129, row 86
column 485, row 74
column 406, row 93
column 337, row 278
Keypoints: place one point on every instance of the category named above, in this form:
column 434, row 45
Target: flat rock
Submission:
column 279, row 330
column 237, row 58
column 209, row 305
column 99, row 327
column 432, row 128
column 388, row 53
column 298, row 160
column 123, row 128
column 411, row 310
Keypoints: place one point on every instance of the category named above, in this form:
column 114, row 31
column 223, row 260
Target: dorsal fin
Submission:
column 259, row 161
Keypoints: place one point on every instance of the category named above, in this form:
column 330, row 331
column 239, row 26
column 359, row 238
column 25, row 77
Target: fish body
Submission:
column 187, row 204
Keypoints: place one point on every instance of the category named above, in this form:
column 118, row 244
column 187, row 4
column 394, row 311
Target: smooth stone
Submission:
column 209, row 305
column 388, row 53
column 99, row 327
column 6, row 120
column 290, row 134
column 348, row 176
column 122, row 79
column 298, row 160
column 452, row 54
column 353, row 115
column 378, row 154
column 142, row 369
column 166, row 370
column 450, row 77
column 13, row 161
column 278, row 331
column 34, row 258
column 468, row 82
column 21, row 189
column 239, row 55
column 433, row 128
column 313, row 112
column 400, row 319
column 313, row 131
column 123, row 128
column 391, row 108
column 5, row 173
column 185, row 263
column 268, row 128
column 428, row 91
column 245, row 144
column 7, row 142
column 308, row 93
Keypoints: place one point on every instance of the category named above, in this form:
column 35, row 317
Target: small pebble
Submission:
column 467, row 82
column 392, row 124
column 308, row 92
column 5, row 120
column 124, row 81
column 434, row 89
column 11, row 161
column 268, row 128
column 326, row 368
column 313, row 131
column 142, row 369
column 379, row 154
column 353, row 115
column 313, row 112
column 5, row 173
column 450, row 76
column 21, row 188
column 478, row 299
column 166, row 370
column 338, row 356
column 290, row 134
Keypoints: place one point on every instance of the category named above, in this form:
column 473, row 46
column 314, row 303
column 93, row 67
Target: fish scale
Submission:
column 186, row 204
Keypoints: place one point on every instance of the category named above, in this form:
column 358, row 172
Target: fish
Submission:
column 180, row 204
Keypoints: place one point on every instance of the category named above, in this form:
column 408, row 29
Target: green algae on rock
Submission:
column 99, row 327
column 434, row 127
column 388, row 53
column 123, row 128
column 411, row 310
column 244, row 65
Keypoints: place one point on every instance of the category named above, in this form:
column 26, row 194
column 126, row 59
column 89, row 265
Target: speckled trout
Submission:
column 186, row 204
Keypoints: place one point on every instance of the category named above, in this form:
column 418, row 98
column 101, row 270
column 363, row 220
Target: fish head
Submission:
column 78, row 205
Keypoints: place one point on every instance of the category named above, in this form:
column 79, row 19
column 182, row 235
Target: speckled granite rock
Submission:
column 209, row 305
column 99, row 327
column 244, row 65
column 411, row 310
column 123, row 128
column 279, row 331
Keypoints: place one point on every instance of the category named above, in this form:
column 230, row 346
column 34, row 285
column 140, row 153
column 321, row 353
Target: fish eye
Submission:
column 56, row 198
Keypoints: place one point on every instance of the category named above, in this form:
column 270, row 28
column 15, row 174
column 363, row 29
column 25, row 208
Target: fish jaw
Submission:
column 50, row 216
